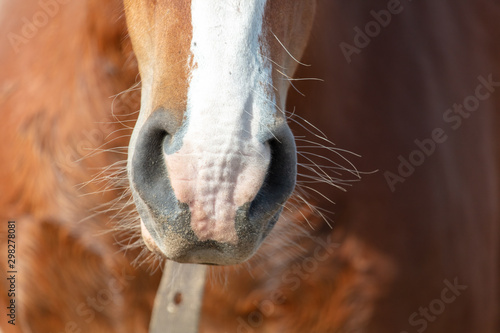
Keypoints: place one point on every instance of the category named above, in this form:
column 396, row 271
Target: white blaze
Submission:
column 222, row 164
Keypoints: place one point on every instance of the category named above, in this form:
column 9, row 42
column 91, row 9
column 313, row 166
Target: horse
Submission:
column 212, row 159
column 406, row 239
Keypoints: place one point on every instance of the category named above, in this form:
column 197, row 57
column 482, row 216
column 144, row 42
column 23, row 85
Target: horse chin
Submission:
column 207, row 252
column 184, row 247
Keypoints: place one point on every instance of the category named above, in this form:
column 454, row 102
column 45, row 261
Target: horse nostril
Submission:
column 280, row 179
column 282, row 171
column 148, row 169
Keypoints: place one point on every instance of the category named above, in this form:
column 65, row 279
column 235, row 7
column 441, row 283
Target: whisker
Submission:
column 291, row 56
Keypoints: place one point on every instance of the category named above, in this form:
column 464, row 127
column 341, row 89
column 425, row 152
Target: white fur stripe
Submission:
column 223, row 160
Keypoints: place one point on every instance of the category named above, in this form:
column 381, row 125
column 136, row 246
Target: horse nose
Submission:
column 209, row 202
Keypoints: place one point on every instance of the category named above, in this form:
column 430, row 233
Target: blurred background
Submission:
column 409, row 94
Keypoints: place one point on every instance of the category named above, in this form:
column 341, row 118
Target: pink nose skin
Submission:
column 215, row 180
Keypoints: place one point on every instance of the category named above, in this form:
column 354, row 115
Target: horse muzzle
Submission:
column 210, row 198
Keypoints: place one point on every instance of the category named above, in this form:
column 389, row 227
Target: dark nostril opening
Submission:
column 280, row 177
column 153, row 193
column 154, row 137
column 147, row 162
column 282, row 172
